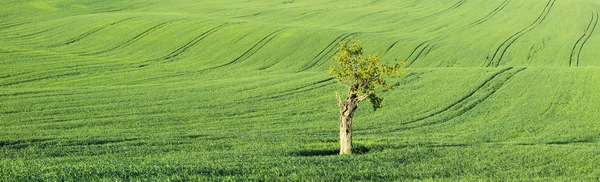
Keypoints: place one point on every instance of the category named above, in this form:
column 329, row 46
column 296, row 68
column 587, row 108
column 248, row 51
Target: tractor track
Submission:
column 304, row 88
column 183, row 49
column 39, row 79
column 453, row 7
column 7, row 26
column 327, row 51
column 491, row 14
column 425, row 46
column 86, row 34
column 578, row 47
column 363, row 16
column 250, row 52
column 134, row 39
column 421, row 48
column 467, row 102
column 501, row 50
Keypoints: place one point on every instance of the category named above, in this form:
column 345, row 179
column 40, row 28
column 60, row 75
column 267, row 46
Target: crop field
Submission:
column 231, row 90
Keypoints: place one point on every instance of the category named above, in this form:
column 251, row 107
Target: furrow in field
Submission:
column 136, row 38
column 12, row 25
column 27, row 93
column 255, row 48
column 491, row 14
column 421, row 49
column 578, row 47
column 181, row 50
column 18, row 33
column 391, row 46
column 501, row 50
column 484, row 91
column 453, row 7
column 30, row 34
column 86, row 34
column 374, row 2
column 304, row 88
column 361, row 17
column 316, row 85
column 327, row 51
column 39, row 79
column 13, row 74
column 424, row 48
column 463, row 99
column 311, row 14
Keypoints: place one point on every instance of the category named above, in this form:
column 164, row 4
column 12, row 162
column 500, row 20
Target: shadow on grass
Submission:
column 568, row 142
column 24, row 143
column 356, row 150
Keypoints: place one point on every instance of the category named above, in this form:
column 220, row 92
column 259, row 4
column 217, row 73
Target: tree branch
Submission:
column 337, row 96
column 363, row 97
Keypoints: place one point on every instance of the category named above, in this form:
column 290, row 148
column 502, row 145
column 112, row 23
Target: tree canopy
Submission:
column 362, row 75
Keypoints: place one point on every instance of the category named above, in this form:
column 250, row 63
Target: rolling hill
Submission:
column 239, row 90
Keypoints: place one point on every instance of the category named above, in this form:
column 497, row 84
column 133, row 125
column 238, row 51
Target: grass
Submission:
column 236, row 91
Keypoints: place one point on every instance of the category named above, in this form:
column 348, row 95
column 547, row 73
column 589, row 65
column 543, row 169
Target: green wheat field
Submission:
column 232, row 90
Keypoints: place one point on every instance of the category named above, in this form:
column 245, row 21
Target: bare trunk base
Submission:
column 347, row 108
column 345, row 136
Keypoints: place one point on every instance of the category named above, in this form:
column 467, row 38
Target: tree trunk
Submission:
column 347, row 108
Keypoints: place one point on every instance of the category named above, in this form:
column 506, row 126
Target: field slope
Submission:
column 239, row 90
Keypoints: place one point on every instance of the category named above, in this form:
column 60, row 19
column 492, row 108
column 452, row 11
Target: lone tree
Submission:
column 361, row 75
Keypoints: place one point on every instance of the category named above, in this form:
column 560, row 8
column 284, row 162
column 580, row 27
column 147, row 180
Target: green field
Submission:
column 239, row 90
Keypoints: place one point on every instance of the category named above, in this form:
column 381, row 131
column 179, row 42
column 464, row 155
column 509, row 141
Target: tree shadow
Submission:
column 356, row 150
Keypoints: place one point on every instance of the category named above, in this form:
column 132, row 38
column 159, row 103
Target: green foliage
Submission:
column 154, row 98
column 362, row 75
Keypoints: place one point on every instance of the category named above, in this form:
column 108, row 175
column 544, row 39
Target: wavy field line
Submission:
column 491, row 14
column 424, row 48
column 250, row 52
column 314, row 86
column 39, row 79
column 183, row 49
column 327, row 51
column 86, row 34
column 501, row 50
column 361, row 17
column 135, row 38
column 488, row 88
column 420, row 49
column 463, row 98
column 310, row 14
column 578, row 47
column 453, row 7
column 304, row 88
column 7, row 26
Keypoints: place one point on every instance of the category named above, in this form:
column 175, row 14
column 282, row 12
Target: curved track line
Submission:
column 466, row 103
column 327, row 51
column 455, row 6
column 463, row 99
column 181, row 50
column 134, row 39
column 501, row 50
column 250, row 52
column 491, row 14
column 361, row 17
column 304, row 88
column 86, row 34
column 421, row 48
column 39, row 79
column 7, row 26
column 578, row 47
column 391, row 46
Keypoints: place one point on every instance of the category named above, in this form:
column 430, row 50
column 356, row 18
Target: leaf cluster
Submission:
column 362, row 75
